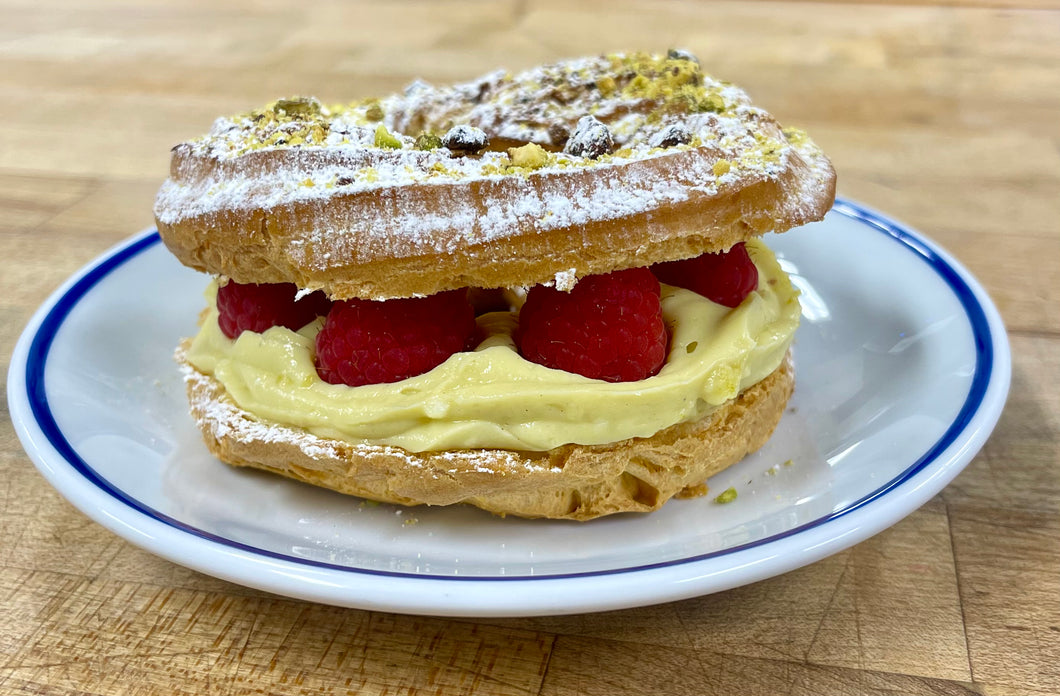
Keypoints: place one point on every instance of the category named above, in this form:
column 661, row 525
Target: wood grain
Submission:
column 942, row 114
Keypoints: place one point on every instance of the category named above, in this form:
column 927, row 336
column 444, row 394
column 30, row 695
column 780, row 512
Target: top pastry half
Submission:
column 559, row 172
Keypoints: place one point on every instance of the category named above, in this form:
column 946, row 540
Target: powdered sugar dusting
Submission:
column 226, row 421
column 565, row 281
column 540, row 106
column 421, row 198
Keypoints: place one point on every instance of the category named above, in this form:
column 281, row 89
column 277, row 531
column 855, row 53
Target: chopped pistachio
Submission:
column 383, row 138
column 374, row 112
column 662, row 79
column 530, row 156
column 726, row 496
column 428, row 141
column 795, row 136
column 709, row 102
column 606, row 85
column 298, row 107
column 639, row 84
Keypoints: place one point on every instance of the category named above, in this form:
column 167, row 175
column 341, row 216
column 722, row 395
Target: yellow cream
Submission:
column 492, row 397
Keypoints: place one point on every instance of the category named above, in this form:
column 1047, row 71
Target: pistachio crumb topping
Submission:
column 676, row 81
column 591, row 112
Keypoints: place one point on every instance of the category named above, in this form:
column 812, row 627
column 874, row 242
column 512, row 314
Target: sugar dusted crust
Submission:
column 341, row 199
column 570, row 482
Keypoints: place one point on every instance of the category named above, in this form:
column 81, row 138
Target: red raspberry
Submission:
column 608, row 327
column 366, row 342
column 249, row 307
column 726, row 277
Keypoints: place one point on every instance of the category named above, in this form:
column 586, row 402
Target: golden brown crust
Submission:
column 277, row 245
column 356, row 219
column 570, row 482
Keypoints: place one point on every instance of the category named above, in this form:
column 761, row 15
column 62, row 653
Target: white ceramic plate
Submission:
column 902, row 364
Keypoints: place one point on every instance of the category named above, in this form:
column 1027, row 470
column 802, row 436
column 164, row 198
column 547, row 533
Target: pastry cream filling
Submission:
column 491, row 397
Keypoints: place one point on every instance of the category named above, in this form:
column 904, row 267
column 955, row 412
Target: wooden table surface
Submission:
column 945, row 115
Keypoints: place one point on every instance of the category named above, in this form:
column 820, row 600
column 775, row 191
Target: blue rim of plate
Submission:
column 36, row 391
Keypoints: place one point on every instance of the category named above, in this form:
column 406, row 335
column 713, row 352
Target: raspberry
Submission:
column 366, row 342
column 249, row 307
column 726, row 277
column 608, row 327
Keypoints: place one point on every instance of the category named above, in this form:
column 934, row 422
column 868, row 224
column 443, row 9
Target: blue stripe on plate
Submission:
column 38, row 397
